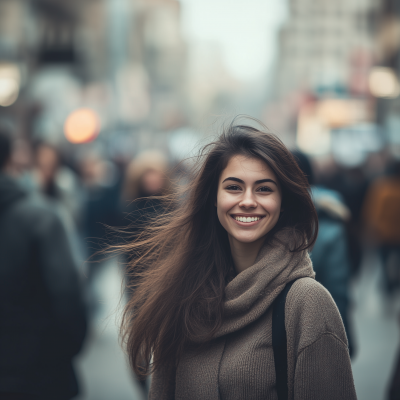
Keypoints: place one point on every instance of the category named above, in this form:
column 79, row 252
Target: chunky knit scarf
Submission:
column 251, row 293
column 239, row 363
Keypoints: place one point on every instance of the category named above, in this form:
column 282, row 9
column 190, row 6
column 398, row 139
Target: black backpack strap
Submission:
column 279, row 343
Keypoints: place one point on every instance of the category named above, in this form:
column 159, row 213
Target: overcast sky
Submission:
column 245, row 29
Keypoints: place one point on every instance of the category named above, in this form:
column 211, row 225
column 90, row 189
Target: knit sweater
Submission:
column 238, row 364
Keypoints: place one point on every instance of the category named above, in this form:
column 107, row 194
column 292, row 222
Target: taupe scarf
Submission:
column 234, row 365
column 252, row 292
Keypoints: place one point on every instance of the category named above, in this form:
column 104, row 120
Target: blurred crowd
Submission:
column 101, row 100
column 57, row 216
column 56, row 219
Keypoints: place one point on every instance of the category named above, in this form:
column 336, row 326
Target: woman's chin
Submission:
column 247, row 239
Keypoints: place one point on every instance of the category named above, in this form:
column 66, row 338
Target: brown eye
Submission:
column 233, row 187
column 265, row 189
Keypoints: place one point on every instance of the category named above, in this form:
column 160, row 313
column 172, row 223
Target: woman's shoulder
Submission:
column 308, row 289
column 312, row 313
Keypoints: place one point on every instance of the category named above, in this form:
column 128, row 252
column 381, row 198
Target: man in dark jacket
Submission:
column 42, row 315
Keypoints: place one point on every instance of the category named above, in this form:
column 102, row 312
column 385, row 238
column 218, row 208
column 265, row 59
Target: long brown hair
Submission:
column 182, row 260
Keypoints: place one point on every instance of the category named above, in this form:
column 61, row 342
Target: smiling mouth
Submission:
column 247, row 219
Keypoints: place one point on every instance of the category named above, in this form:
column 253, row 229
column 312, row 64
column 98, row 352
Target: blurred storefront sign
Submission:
column 342, row 112
column 316, row 120
column 352, row 145
column 10, row 79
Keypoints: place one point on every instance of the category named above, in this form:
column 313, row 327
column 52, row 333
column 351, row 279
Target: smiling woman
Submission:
column 248, row 206
column 208, row 275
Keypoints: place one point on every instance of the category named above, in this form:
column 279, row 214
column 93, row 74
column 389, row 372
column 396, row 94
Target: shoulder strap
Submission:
column 279, row 343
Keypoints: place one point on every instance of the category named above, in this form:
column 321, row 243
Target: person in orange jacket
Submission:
column 381, row 214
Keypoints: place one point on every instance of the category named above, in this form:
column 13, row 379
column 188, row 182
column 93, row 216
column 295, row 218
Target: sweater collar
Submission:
column 251, row 293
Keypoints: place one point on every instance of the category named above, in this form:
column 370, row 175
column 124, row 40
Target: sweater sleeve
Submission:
column 318, row 358
column 323, row 371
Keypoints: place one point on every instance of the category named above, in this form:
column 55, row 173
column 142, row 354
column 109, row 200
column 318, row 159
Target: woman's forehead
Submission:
column 248, row 167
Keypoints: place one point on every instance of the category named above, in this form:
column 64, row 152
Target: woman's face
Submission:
column 249, row 199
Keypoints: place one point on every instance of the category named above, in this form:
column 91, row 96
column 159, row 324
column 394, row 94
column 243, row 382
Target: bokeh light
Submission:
column 383, row 82
column 9, row 84
column 313, row 133
column 82, row 126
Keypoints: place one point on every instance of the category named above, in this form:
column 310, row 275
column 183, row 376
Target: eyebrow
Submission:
column 231, row 178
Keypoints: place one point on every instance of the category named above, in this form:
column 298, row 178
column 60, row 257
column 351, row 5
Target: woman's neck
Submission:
column 244, row 254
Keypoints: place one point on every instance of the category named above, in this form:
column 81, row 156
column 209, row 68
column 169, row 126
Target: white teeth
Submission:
column 247, row 219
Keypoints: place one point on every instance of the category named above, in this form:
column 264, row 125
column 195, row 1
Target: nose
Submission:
column 248, row 200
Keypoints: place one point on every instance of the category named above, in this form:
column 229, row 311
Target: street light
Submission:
column 82, row 126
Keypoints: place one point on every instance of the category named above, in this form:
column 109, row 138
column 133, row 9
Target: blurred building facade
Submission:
column 388, row 56
column 126, row 59
column 321, row 42
column 337, row 79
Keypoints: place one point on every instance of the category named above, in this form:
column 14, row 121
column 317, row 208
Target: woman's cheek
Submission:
column 272, row 205
column 225, row 202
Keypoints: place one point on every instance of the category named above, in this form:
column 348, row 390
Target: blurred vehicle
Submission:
column 42, row 313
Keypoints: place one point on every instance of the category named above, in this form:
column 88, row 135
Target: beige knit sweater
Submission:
column 239, row 363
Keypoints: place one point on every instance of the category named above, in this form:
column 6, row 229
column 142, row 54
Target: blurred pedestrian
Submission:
column 42, row 315
column 101, row 187
column 381, row 212
column 330, row 254
column 352, row 184
column 145, row 183
column 56, row 181
column 59, row 187
column 209, row 314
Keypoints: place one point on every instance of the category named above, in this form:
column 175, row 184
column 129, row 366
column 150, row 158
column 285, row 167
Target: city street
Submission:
column 103, row 367
column 105, row 375
column 153, row 129
column 376, row 329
